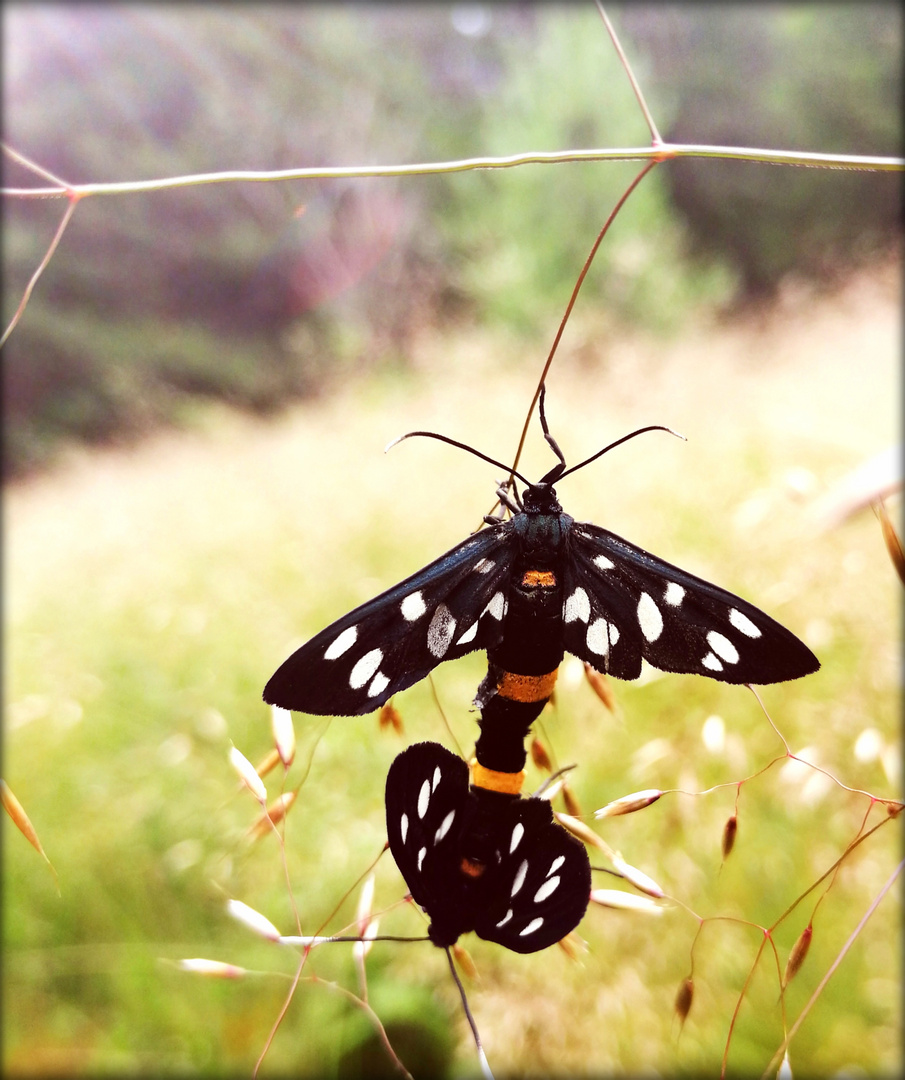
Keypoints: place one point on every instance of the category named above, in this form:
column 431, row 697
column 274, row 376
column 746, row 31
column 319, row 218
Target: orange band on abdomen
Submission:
column 527, row 687
column 509, row 783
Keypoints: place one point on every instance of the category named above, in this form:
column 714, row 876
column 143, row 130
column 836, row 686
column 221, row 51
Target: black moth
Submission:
column 595, row 595
column 479, row 861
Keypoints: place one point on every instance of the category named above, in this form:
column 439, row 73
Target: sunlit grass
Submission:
column 149, row 595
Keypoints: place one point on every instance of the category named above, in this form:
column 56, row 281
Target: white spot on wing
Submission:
column 519, row 877
column 600, row 636
column 421, row 853
column 711, row 662
column 517, row 833
column 497, row 606
column 723, row 647
column 743, row 623
column 404, row 826
column 674, row 594
column 444, row 827
column 424, row 796
column 535, row 924
column 505, row 919
column 436, row 778
column 469, row 634
column 556, row 864
column 484, row 566
column 365, row 669
column 440, row 632
column 577, row 606
column 413, row 607
column 547, row 889
column 603, row 563
column 342, row 643
column 378, row 684
column 649, row 617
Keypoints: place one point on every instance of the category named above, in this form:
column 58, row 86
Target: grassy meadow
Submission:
column 150, row 592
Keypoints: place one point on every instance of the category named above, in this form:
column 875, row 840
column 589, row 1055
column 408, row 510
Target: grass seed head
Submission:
column 247, row 772
column 730, row 831
column 390, row 717
column 270, row 760
column 273, row 815
column 684, row 998
column 254, row 920
column 628, row 804
column 573, row 946
column 637, row 877
column 212, row 969
column 552, row 790
column 891, row 539
column 625, row 901
column 361, row 948
column 365, row 904
column 283, row 733
column 17, row 812
column 572, row 805
column 601, row 686
column 539, row 756
column 785, row 1069
column 798, row 954
column 584, row 833
column 464, row 961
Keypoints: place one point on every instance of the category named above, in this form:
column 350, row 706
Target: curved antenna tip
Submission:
column 394, row 442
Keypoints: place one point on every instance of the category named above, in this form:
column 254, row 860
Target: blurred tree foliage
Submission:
column 818, row 77
column 258, row 293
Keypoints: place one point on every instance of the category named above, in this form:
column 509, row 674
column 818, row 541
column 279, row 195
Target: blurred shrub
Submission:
column 817, row 77
column 258, row 293
column 523, row 235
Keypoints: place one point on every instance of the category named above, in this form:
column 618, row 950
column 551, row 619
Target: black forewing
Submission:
column 540, row 890
column 358, row 662
column 622, row 603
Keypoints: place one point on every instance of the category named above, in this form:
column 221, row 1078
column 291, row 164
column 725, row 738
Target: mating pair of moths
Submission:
column 476, row 855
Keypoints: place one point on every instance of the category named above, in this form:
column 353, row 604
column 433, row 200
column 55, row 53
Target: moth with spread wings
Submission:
column 527, row 589
column 478, row 860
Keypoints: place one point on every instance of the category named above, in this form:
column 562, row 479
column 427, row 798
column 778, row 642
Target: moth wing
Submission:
column 453, row 606
column 427, row 790
column 540, row 891
column 621, row 604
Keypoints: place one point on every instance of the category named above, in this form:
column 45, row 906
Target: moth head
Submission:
column 540, row 498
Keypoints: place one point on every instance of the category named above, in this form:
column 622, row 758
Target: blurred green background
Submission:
column 243, row 353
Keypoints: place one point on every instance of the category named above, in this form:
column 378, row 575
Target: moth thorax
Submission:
column 538, row 579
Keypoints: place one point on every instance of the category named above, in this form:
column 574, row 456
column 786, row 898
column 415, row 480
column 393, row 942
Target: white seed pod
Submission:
column 248, row 774
column 625, row 901
column 254, row 920
column 283, row 733
column 628, row 804
column 213, row 969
